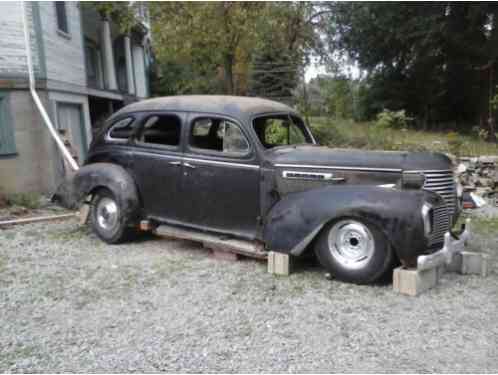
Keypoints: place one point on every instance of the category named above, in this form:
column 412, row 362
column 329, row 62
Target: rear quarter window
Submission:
column 121, row 130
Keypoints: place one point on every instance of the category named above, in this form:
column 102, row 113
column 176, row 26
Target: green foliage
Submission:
column 328, row 134
column 122, row 13
column 455, row 143
column 392, row 119
column 231, row 47
column 27, row 200
column 435, row 60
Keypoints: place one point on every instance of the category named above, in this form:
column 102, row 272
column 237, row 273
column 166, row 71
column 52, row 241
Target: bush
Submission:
column 3, row 200
column 392, row 119
column 27, row 200
column 327, row 134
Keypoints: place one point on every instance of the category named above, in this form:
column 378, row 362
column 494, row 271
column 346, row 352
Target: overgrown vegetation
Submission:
column 27, row 200
column 346, row 133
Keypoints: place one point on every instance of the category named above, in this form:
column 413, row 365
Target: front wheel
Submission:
column 354, row 251
column 107, row 218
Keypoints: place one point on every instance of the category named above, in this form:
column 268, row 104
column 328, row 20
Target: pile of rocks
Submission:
column 480, row 175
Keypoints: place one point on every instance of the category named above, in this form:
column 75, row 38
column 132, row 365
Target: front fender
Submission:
column 100, row 175
column 295, row 220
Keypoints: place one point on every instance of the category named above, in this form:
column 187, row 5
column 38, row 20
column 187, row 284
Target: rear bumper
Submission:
column 451, row 247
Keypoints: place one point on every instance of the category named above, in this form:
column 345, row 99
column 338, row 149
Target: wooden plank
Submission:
column 37, row 219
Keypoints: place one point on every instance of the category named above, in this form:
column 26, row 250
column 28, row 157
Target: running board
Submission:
column 215, row 242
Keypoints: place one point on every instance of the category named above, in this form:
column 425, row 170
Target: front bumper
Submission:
column 450, row 248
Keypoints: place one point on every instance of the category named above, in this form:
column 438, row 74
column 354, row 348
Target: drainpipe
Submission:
column 36, row 98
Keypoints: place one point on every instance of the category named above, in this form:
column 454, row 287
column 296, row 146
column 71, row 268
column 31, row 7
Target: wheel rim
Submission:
column 107, row 213
column 351, row 243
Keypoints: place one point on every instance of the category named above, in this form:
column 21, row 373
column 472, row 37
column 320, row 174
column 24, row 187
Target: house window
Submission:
column 7, row 142
column 60, row 10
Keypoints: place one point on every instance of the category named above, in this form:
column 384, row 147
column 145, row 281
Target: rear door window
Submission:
column 161, row 130
column 218, row 135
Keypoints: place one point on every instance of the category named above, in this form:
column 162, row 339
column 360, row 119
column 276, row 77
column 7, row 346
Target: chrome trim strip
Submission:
column 431, row 171
column 339, row 168
column 217, row 162
column 307, row 175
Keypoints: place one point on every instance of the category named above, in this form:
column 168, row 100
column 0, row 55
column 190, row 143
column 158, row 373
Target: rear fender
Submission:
column 92, row 177
column 294, row 221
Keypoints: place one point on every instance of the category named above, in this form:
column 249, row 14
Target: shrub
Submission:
column 27, row 200
column 3, row 200
column 327, row 134
column 392, row 119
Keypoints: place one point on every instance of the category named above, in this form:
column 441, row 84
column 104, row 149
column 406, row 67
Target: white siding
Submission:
column 12, row 46
column 64, row 53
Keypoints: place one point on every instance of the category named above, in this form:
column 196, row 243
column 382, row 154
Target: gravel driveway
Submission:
column 68, row 302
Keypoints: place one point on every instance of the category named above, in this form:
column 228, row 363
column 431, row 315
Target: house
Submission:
column 85, row 68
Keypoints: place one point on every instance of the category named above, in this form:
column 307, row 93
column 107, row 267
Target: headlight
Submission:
column 459, row 188
column 412, row 180
column 427, row 217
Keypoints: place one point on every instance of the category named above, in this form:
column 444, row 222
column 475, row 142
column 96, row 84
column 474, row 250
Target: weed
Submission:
column 27, row 200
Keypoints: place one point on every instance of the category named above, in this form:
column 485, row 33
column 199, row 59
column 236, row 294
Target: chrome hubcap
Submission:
column 107, row 213
column 351, row 243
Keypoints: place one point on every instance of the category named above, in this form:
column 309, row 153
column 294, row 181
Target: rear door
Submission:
column 220, row 176
column 157, row 164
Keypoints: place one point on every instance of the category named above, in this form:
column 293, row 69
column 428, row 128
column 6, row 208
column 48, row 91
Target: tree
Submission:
column 429, row 59
column 206, row 36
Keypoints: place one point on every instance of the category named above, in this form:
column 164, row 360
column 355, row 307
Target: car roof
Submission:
column 241, row 107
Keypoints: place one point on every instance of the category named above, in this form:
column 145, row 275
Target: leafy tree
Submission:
column 436, row 60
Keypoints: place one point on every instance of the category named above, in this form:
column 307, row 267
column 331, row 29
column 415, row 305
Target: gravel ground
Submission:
column 68, row 302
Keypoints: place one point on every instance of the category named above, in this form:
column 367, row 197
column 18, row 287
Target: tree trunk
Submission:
column 228, row 61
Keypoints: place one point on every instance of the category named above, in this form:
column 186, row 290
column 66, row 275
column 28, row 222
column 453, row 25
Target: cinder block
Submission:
column 456, row 263
column 279, row 264
column 413, row 282
column 474, row 263
column 84, row 213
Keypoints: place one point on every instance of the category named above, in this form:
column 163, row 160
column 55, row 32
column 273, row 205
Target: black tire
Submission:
column 368, row 268
column 108, row 225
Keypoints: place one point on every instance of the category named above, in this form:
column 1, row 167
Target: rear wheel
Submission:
column 107, row 218
column 354, row 251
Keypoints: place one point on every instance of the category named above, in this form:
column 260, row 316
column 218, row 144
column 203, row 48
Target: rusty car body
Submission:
column 250, row 168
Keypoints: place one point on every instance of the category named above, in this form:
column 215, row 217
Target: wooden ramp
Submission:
column 215, row 242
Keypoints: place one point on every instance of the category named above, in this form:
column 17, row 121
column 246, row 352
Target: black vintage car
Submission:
column 250, row 168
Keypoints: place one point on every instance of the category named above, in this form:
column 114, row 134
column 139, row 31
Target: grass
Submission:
column 28, row 200
column 350, row 134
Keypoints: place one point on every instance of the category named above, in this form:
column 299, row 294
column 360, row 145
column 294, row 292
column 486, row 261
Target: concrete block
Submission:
column 474, row 263
column 413, row 282
column 456, row 263
column 84, row 213
column 278, row 263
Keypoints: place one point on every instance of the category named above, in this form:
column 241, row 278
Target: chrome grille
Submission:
column 440, row 225
column 443, row 183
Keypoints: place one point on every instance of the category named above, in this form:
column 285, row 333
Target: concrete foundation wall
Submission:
column 33, row 168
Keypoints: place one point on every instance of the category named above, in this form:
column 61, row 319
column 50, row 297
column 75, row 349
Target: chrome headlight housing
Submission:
column 427, row 216
column 412, row 180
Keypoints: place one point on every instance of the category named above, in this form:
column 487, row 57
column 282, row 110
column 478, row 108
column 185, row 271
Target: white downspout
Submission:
column 36, row 98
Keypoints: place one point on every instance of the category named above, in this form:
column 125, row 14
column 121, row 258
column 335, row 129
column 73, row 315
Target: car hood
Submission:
column 312, row 155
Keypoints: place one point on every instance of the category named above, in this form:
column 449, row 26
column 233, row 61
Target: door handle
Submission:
column 177, row 163
column 188, row 165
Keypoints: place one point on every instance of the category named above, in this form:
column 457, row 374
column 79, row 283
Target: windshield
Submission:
column 281, row 130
